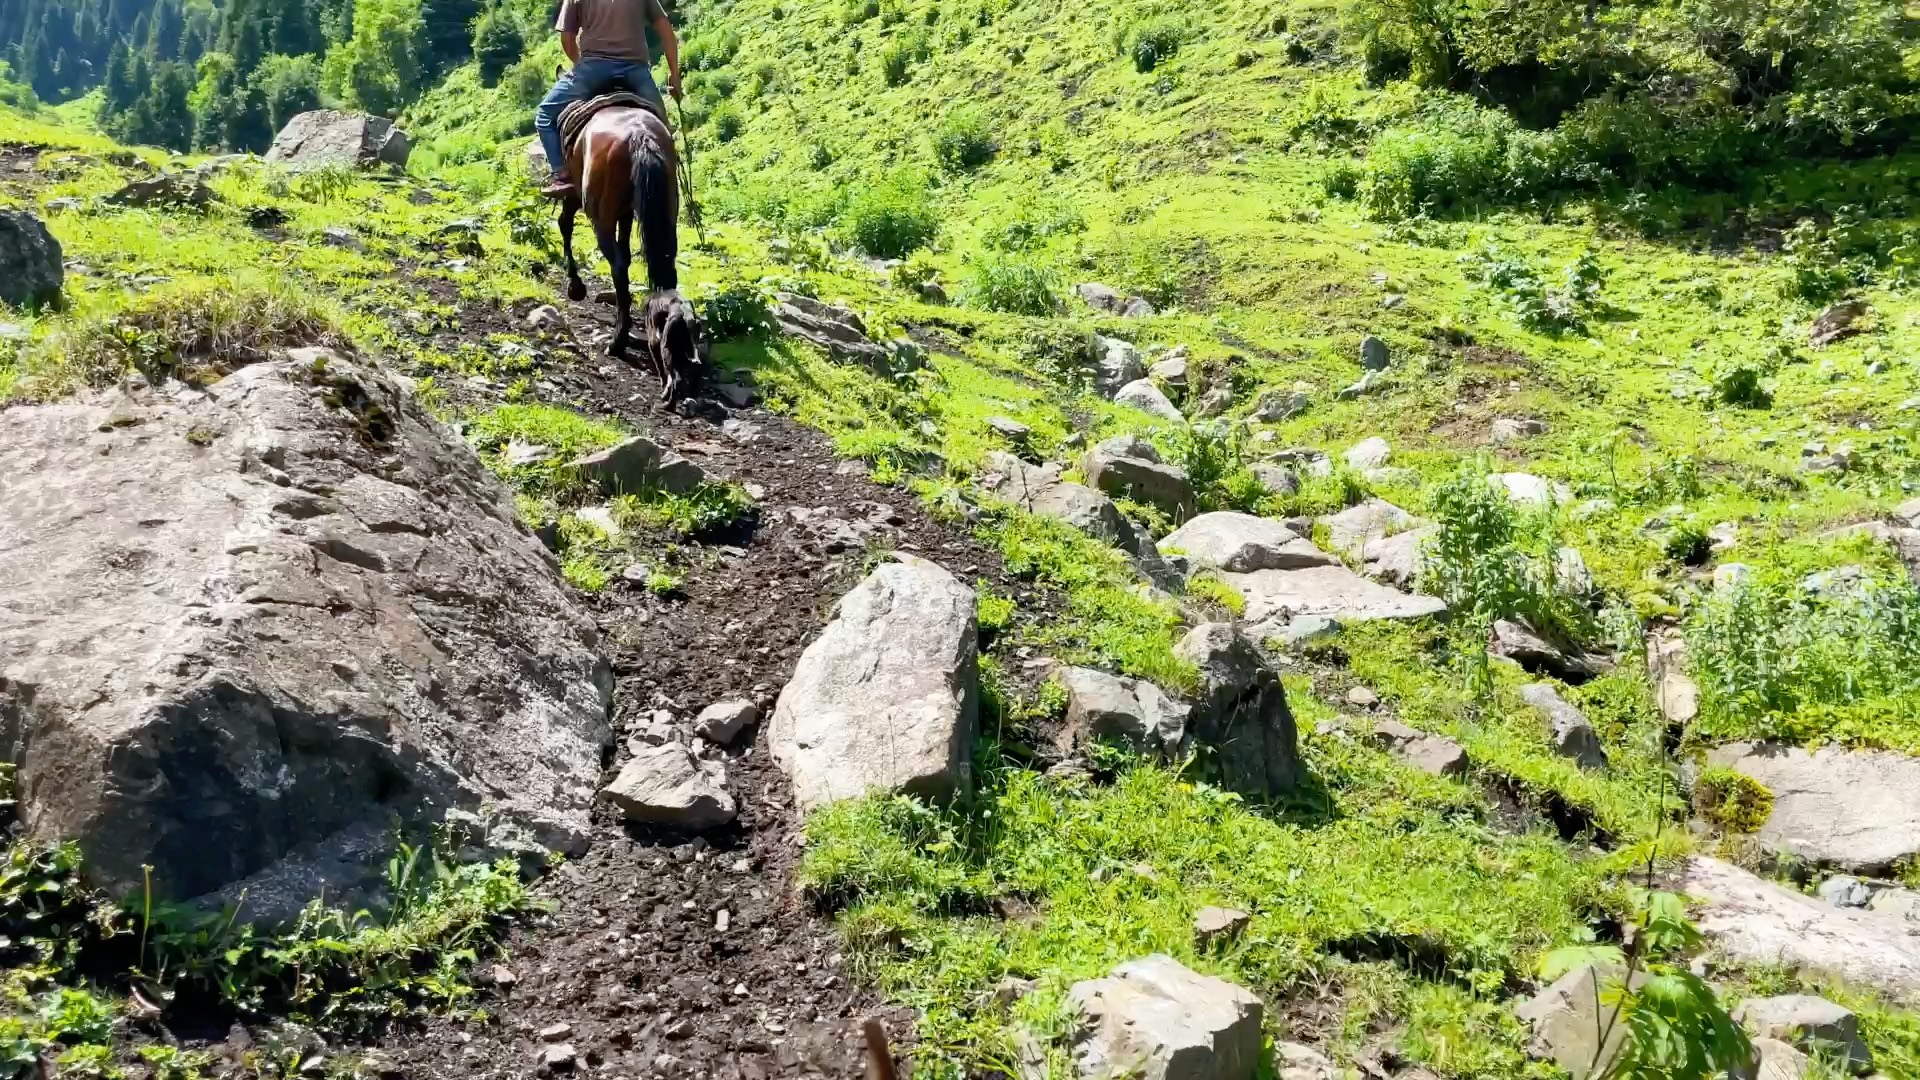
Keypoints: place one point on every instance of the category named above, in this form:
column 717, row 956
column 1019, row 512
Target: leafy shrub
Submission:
column 1741, row 385
column 727, row 123
column 1538, row 305
column 1774, row 660
column 1160, row 264
column 1820, row 269
column 1011, row 284
column 735, row 310
column 707, row 509
column 1455, row 157
column 707, row 52
column 498, row 41
column 1214, row 455
column 1154, row 42
column 894, row 61
column 1732, row 800
column 893, row 218
column 964, row 143
column 855, row 12
column 1032, row 224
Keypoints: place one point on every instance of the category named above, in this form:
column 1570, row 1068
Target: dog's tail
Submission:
column 879, row 1057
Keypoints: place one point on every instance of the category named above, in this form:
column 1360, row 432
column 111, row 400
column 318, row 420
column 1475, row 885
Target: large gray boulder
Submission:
column 1568, row 728
column 1572, row 1023
column 329, row 137
column 31, row 270
column 1396, row 559
column 1753, row 922
column 1276, row 597
column 1241, row 543
column 1809, row 1023
column 1115, row 364
column 1128, row 467
column 1433, row 754
column 1856, row 810
column 1243, row 713
column 1143, row 395
column 247, row 633
column 886, row 698
column 1107, row 708
column 1155, row 1019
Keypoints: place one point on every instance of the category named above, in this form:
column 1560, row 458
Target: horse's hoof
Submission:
column 577, row 291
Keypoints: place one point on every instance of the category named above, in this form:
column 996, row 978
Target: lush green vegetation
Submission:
column 1492, row 193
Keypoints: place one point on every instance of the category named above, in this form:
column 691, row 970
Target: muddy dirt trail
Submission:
column 693, row 956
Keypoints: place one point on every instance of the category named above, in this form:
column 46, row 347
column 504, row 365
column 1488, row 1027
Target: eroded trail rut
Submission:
column 678, row 956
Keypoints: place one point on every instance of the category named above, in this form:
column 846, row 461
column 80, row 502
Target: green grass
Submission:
column 567, row 434
column 1398, row 868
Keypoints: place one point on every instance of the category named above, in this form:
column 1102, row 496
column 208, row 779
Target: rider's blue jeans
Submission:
column 591, row 77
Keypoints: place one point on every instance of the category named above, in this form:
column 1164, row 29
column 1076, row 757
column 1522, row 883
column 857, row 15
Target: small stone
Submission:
column 1506, row 430
column 1310, row 629
column 679, row 1029
column 503, row 976
column 1361, row 697
column 1845, row 892
column 1009, row 429
column 1278, row 406
column 1172, row 371
column 545, row 317
column 554, row 1033
column 721, row 723
column 1142, row 394
column 1430, row 754
column 1214, row 924
column 559, row 1057
column 1368, row 383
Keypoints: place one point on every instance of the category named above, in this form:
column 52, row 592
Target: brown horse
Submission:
column 624, row 163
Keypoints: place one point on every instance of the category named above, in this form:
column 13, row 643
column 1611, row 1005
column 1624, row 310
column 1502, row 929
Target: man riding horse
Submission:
column 604, row 128
column 607, row 42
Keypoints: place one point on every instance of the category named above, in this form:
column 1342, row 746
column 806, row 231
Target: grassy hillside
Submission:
column 1244, row 169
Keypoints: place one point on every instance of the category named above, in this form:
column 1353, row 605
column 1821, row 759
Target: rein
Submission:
column 686, row 174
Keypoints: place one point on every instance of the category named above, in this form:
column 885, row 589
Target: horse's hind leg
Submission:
column 576, row 289
column 620, row 261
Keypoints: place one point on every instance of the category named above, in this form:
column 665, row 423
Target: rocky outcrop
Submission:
column 1243, row 713
column 723, row 721
column 666, row 785
column 1568, row 728
column 1855, row 810
column 325, row 137
column 248, row 632
column 1128, row 467
column 1808, row 1023
column 837, row 331
column 1754, row 922
column 1241, row 543
column 1514, row 640
column 1107, row 708
column 1526, row 489
column 1155, row 1019
column 31, row 270
column 1369, row 454
column 1276, row 597
column 885, row 699
column 1396, row 559
column 1038, row 489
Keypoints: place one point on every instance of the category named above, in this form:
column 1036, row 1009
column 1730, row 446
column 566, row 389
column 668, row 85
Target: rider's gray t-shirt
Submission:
column 611, row 29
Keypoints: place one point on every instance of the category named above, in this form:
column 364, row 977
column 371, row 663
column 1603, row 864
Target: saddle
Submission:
column 573, row 118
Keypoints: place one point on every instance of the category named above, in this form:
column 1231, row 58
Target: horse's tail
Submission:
column 653, row 201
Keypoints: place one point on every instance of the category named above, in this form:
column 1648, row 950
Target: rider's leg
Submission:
column 546, row 121
column 639, row 79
